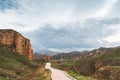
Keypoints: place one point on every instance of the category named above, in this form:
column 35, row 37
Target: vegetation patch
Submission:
column 14, row 65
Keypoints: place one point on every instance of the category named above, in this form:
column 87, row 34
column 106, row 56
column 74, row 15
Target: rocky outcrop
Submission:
column 15, row 42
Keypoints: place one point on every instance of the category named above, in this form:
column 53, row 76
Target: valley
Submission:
column 18, row 63
column 98, row 64
column 59, row 39
column 58, row 74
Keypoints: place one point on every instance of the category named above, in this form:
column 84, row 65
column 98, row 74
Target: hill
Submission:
column 13, row 65
column 16, row 58
column 102, row 63
column 71, row 55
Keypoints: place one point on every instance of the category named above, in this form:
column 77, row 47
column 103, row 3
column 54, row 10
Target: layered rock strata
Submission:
column 15, row 42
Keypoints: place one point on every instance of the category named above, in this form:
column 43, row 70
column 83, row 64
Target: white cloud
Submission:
column 30, row 15
column 64, row 25
column 92, row 33
column 115, row 37
column 106, row 8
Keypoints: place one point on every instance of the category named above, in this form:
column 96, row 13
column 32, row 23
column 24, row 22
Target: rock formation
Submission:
column 15, row 42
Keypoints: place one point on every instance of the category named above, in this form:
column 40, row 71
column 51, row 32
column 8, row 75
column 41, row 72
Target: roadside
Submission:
column 38, row 74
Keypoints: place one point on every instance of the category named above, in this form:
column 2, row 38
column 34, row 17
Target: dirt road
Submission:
column 58, row 74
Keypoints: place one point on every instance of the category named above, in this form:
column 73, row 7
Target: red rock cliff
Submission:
column 15, row 42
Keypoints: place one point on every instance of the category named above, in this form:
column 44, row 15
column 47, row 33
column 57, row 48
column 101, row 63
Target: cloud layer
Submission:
column 87, row 34
column 64, row 25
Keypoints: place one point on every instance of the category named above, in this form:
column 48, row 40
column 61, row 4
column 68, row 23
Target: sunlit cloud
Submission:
column 106, row 8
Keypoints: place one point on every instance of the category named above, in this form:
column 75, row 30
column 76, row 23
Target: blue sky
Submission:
column 64, row 25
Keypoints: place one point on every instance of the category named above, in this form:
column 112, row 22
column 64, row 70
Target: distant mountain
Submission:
column 78, row 54
column 70, row 55
column 44, row 52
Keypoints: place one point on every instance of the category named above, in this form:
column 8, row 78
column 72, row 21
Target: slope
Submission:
column 13, row 65
column 102, row 63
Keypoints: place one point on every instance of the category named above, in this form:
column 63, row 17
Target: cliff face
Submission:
column 15, row 42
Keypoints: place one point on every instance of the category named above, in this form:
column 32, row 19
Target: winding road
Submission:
column 58, row 74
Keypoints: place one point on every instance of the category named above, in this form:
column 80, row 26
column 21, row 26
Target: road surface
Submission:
column 58, row 74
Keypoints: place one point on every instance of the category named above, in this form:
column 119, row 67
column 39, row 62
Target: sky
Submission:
column 64, row 25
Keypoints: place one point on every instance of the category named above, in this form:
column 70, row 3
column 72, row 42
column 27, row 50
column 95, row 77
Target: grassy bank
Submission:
column 79, row 77
column 14, row 66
